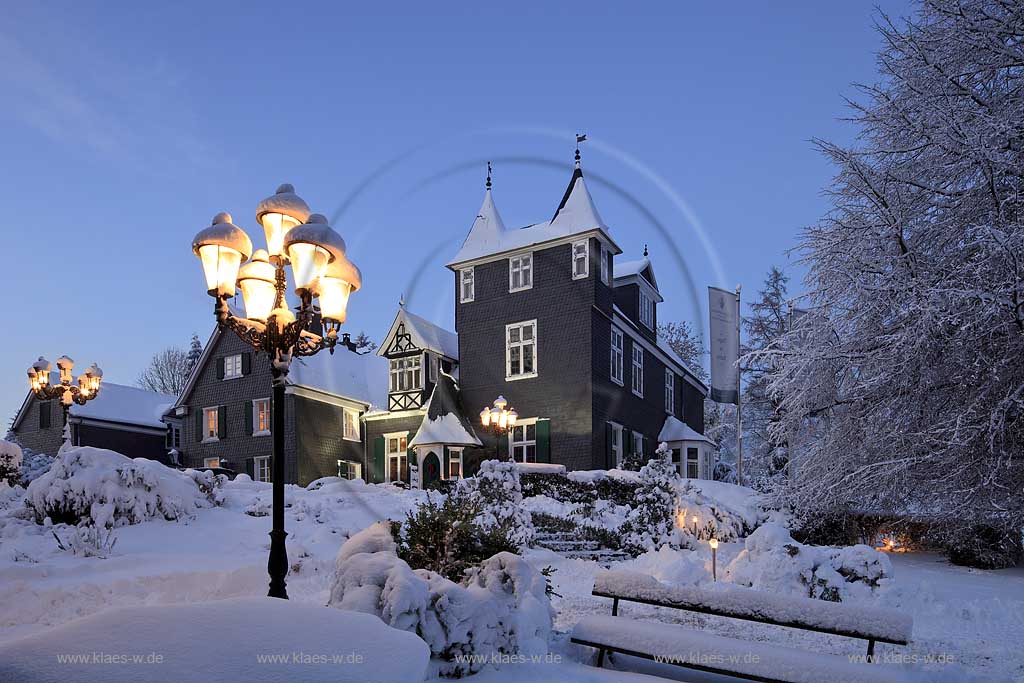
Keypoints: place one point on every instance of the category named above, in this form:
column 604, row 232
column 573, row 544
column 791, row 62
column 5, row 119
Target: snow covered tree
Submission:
column 167, row 372
column 364, row 343
column 681, row 338
column 195, row 352
column 651, row 521
column 497, row 493
column 908, row 366
column 764, row 448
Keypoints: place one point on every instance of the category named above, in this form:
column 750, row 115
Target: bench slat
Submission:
column 703, row 651
column 737, row 602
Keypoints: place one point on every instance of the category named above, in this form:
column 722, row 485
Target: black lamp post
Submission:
column 86, row 390
column 500, row 421
column 322, row 271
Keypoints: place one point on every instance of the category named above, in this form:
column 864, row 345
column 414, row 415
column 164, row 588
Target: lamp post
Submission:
column 321, row 271
column 499, row 420
column 714, row 558
column 86, row 390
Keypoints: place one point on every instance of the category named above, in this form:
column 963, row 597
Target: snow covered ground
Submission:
column 975, row 619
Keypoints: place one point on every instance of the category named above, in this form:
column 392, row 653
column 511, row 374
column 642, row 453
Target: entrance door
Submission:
column 430, row 470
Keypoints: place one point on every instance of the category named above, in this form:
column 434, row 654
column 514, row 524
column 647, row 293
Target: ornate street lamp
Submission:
column 499, row 420
column 86, row 390
column 321, row 271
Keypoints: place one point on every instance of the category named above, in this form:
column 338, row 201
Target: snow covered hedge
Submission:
column 10, row 463
column 501, row 607
column 772, row 561
column 104, row 488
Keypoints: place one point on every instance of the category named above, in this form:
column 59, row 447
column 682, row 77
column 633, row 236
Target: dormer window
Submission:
column 646, row 309
column 406, row 374
column 580, row 260
column 520, row 272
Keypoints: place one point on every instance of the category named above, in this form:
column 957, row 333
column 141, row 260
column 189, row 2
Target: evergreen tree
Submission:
column 195, row 352
column 650, row 523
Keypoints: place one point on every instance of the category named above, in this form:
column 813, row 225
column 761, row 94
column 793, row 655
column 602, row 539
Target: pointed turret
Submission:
column 488, row 229
column 577, row 212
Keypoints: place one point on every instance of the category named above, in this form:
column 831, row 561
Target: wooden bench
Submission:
column 757, row 661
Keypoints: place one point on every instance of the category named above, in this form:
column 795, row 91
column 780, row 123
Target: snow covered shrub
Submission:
column 772, row 561
column 445, row 538
column 98, row 486
column 87, row 540
column 982, row 546
column 500, row 608
column 616, row 490
column 724, row 471
column 10, row 463
column 496, row 491
column 34, row 465
column 651, row 521
column 633, row 461
column 556, row 486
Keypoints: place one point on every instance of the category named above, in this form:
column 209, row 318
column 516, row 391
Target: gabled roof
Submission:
column 115, row 403
column 576, row 215
column 638, row 268
column 445, row 422
column 677, row 430
column 424, row 335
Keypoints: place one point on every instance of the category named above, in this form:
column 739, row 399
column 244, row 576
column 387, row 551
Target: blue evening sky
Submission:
column 126, row 126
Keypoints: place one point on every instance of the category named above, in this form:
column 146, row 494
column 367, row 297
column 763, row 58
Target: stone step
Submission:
column 570, row 545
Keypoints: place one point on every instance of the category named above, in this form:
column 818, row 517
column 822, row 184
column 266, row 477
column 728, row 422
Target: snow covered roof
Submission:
column 445, row 422
column 360, row 377
column 425, row 335
column 576, row 214
column 627, row 268
column 677, row 430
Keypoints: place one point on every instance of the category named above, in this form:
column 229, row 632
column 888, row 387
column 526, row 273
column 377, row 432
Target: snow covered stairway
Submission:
column 572, row 545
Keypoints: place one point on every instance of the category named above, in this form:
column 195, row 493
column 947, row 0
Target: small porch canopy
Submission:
column 445, row 426
column 693, row 454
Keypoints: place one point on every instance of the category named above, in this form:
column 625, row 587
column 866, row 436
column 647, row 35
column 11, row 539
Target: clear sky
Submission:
column 126, row 126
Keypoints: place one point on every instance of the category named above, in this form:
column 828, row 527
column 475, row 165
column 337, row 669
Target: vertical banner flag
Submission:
column 725, row 345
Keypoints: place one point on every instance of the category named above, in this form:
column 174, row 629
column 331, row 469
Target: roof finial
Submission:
column 488, row 175
column 645, row 250
column 579, row 139
column 401, row 300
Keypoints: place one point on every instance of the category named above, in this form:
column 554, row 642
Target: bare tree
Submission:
column 908, row 365
column 167, row 372
column 681, row 338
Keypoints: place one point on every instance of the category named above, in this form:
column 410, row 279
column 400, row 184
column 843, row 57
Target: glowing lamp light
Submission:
column 339, row 280
column 694, row 520
column 495, row 416
column 713, row 543
column 256, row 280
column 279, row 214
column 222, row 247
column 485, row 415
column 311, row 246
column 512, row 417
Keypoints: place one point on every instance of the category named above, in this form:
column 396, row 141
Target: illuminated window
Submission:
column 261, row 417
column 350, row 426
column 211, row 424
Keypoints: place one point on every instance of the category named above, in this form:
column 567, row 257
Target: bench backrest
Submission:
column 737, row 602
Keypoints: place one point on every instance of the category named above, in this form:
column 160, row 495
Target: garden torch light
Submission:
column 714, row 558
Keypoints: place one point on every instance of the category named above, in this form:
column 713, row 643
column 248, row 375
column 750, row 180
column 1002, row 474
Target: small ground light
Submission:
column 714, row 558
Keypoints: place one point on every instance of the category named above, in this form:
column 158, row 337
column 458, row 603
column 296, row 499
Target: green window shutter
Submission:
column 445, row 460
column 247, row 409
column 44, row 414
column 222, row 422
column 199, row 424
column 544, row 440
column 246, row 363
column 609, row 440
column 220, row 368
column 627, row 443
column 378, row 460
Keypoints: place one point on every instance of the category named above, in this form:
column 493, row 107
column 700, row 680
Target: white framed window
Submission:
column 616, row 444
column 692, row 463
column 233, row 366
column 638, row 443
column 454, row 464
column 670, row 392
column 406, row 373
column 261, row 417
column 350, row 470
column 467, row 285
column 638, row 370
column 261, row 468
column 211, row 424
column 520, row 272
column 605, row 266
column 432, row 368
column 522, row 440
column 616, row 357
column 397, row 456
column 350, row 424
column 646, row 309
column 211, row 462
column 173, row 439
column 521, row 350
column 580, row 259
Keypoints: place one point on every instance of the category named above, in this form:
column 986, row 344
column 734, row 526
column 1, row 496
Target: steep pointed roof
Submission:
column 423, row 334
column 576, row 211
column 576, row 214
column 445, row 422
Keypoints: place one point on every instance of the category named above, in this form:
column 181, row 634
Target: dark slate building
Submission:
column 121, row 418
column 222, row 418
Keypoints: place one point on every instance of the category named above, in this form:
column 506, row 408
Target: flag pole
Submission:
column 739, row 395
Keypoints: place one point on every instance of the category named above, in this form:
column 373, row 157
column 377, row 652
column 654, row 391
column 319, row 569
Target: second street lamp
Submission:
column 322, row 271
column 87, row 389
column 499, row 420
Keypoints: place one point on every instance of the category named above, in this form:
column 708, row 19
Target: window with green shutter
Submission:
column 543, row 440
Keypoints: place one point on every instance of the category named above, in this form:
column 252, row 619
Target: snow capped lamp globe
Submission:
column 88, row 386
column 322, row 271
